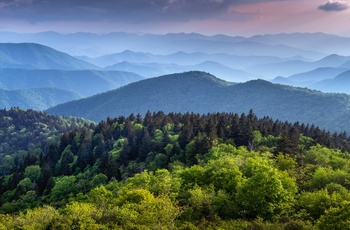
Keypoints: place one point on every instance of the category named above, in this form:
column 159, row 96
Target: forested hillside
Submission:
column 182, row 171
column 24, row 133
column 201, row 92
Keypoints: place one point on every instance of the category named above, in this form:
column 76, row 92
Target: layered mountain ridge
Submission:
column 201, row 92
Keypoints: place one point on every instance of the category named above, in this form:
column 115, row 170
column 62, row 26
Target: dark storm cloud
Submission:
column 334, row 6
column 136, row 11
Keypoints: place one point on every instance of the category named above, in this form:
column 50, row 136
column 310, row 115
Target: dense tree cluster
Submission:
column 28, row 129
column 186, row 171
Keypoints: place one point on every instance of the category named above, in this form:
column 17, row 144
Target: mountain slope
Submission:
column 183, row 58
column 202, row 93
column 83, row 82
column 194, row 91
column 345, row 65
column 318, row 74
column 333, row 60
column 35, row 56
column 38, row 99
column 340, row 83
column 293, row 67
column 156, row 69
column 307, row 79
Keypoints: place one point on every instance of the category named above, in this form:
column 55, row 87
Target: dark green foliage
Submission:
column 289, row 143
column 27, row 140
column 27, row 130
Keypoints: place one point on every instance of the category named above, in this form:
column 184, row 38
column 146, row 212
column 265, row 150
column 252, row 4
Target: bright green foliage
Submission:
column 6, row 222
column 336, row 218
column 224, row 174
column 314, row 203
column 285, row 162
column 101, row 196
column 191, row 176
column 324, row 176
column 134, row 196
column 139, row 209
column 157, row 136
column 220, row 150
column 158, row 183
column 118, row 146
column 158, row 213
column 323, row 156
column 267, row 193
column 305, row 142
column 32, row 172
column 80, row 216
column 64, row 187
column 259, row 141
column 201, row 204
column 36, row 219
column 24, row 185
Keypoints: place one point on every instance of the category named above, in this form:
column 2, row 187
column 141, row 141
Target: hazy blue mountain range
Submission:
column 38, row 99
column 202, row 93
column 155, row 69
column 36, row 56
column 324, row 43
column 236, row 59
column 345, row 65
column 100, row 44
column 287, row 68
column 311, row 77
column 183, row 58
column 318, row 74
column 82, row 82
column 340, row 83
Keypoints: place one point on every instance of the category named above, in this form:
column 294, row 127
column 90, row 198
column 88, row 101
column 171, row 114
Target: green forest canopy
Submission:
column 183, row 171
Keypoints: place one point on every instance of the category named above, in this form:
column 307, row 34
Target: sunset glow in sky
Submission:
column 232, row 17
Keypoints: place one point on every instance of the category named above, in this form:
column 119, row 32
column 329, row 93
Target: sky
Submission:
column 231, row 17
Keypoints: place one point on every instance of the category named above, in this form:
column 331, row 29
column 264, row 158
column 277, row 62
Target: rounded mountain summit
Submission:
column 201, row 92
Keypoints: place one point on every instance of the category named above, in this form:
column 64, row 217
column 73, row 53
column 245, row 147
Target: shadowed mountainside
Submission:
column 83, row 82
column 201, row 92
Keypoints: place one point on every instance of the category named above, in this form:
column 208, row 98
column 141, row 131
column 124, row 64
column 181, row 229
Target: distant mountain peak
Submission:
column 197, row 75
column 258, row 82
column 37, row 56
column 333, row 56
